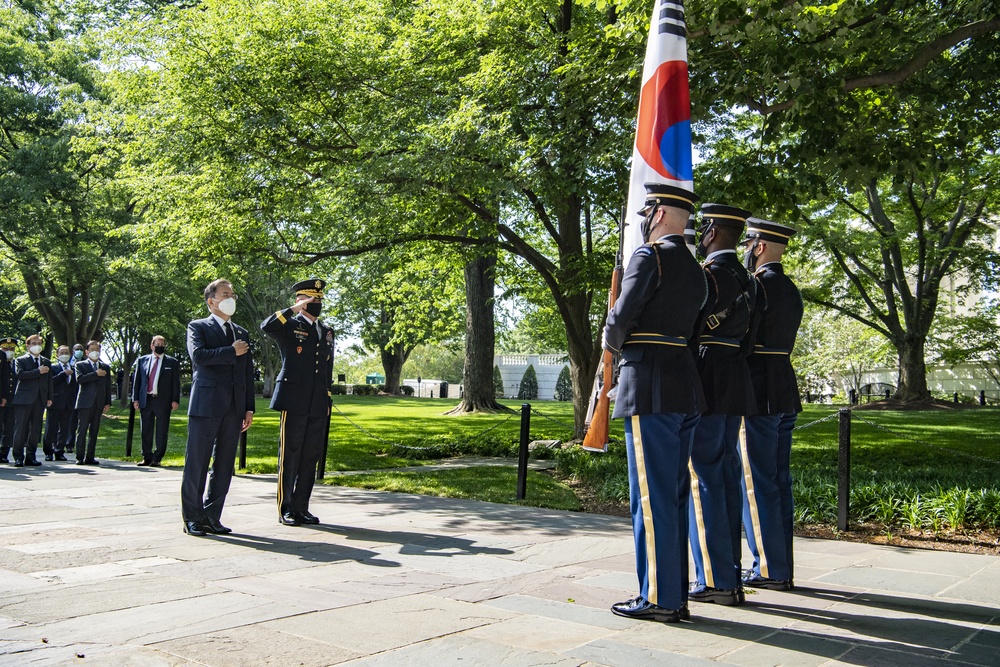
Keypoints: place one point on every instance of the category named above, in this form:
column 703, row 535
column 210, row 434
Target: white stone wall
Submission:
column 431, row 388
column 547, row 369
column 966, row 379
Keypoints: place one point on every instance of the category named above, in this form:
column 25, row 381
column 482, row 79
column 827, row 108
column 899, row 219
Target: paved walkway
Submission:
column 94, row 570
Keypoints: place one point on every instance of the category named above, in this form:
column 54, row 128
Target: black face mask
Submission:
column 647, row 224
column 314, row 308
column 749, row 258
column 701, row 251
column 159, row 349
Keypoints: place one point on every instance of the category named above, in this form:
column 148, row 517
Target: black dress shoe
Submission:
column 18, row 464
column 194, row 528
column 92, row 462
column 32, row 462
column 289, row 519
column 145, row 462
column 724, row 596
column 215, row 526
column 308, row 519
column 48, row 457
column 757, row 581
column 155, row 463
column 641, row 609
column 79, row 462
column 61, row 457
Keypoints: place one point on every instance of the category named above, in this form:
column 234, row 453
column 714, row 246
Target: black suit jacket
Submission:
column 63, row 386
column 221, row 378
column 303, row 385
column 779, row 306
column 169, row 384
column 94, row 390
column 663, row 290
column 31, row 384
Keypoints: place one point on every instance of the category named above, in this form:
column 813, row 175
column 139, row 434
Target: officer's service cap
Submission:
column 724, row 216
column 766, row 230
column 8, row 342
column 668, row 195
column 312, row 287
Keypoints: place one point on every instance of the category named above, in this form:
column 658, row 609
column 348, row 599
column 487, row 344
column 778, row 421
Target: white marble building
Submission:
column 547, row 369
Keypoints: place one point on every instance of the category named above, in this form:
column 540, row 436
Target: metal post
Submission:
column 956, row 397
column 321, row 468
column 844, row 471
column 243, row 450
column 853, row 398
column 982, row 397
column 522, row 454
column 887, row 394
column 131, row 428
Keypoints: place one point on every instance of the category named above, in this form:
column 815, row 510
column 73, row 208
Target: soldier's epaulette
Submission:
column 708, row 263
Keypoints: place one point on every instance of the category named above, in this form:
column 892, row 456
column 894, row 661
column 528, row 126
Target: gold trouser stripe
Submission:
column 653, row 342
column 647, row 509
column 752, row 499
column 281, row 456
column 699, row 520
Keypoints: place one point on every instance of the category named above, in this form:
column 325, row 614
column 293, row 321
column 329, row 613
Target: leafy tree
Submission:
column 873, row 126
column 973, row 338
column 564, row 388
column 528, row 389
column 498, row 388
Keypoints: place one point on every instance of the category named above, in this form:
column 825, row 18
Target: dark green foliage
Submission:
column 497, row 382
column 364, row 390
column 529, row 385
column 564, row 387
column 339, row 390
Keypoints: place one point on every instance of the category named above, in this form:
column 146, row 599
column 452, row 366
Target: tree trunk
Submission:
column 912, row 385
column 393, row 358
column 480, row 338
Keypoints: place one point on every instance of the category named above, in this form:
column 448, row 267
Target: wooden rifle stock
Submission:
column 599, row 412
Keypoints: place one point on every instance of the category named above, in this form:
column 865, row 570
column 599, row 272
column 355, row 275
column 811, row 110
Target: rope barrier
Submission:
column 817, row 421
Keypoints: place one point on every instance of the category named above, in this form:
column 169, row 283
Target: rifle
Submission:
column 599, row 410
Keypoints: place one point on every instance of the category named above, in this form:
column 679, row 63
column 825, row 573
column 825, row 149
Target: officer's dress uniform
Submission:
column 302, row 395
column 767, row 439
column 716, row 472
column 659, row 396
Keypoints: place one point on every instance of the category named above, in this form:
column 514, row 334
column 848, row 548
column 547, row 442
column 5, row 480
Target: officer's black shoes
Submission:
column 145, row 462
column 725, row 596
column 642, row 610
column 33, row 462
column 92, row 462
column 61, row 457
column 48, row 457
column 194, row 528
column 308, row 519
column 289, row 519
column 18, row 463
column 79, row 462
column 757, row 581
column 155, row 463
column 215, row 527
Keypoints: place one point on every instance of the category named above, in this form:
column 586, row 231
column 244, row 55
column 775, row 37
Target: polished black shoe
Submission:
column 48, row 457
column 79, row 462
column 215, row 527
column 92, row 462
column 18, row 464
column 155, row 464
column 194, row 528
column 145, row 462
column 724, row 596
column 5, row 460
column 308, row 519
column 642, row 610
column 33, row 462
column 61, row 457
column 757, row 581
column 289, row 519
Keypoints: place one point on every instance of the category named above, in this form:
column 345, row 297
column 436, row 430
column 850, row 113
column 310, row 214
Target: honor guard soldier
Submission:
column 716, row 493
column 767, row 443
column 302, row 394
column 8, row 380
column 659, row 396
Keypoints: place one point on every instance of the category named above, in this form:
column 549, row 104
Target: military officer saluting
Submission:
column 767, row 443
column 302, row 394
column 716, row 493
column 659, row 396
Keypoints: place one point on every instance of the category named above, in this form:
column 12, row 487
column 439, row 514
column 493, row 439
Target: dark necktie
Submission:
column 229, row 333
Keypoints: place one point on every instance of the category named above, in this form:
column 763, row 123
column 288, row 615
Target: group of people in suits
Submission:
column 71, row 394
column 709, row 400
column 222, row 404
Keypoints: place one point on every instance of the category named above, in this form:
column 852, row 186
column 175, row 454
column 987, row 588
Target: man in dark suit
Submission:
column 716, row 516
column 766, row 444
column 93, row 398
column 156, row 392
column 32, row 396
column 302, row 394
column 221, row 407
column 57, row 417
column 8, row 380
column 659, row 395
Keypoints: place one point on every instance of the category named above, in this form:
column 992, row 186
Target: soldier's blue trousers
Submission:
column 716, row 516
column 659, row 447
column 765, row 447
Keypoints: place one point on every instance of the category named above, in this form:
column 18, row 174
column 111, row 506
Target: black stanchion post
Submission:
column 321, row 467
column 853, row 399
column 887, row 394
column 522, row 454
column 243, row 450
column 844, row 471
column 956, row 397
column 982, row 397
column 131, row 428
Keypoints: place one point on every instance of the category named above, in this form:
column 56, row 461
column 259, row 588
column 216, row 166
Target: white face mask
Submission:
column 94, row 356
column 9, row 354
column 35, row 349
column 228, row 306
column 63, row 358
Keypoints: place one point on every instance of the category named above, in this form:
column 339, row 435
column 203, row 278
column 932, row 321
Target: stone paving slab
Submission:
column 94, row 562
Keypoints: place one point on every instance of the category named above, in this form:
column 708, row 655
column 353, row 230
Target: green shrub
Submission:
column 339, row 390
column 528, row 390
column 564, row 386
column 497, row 382
column 406, row 390
column 363, row 390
